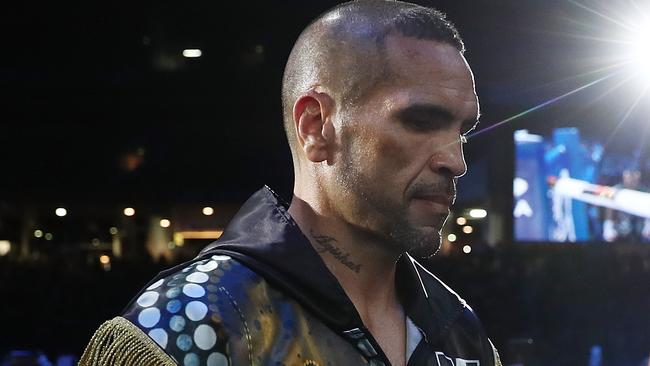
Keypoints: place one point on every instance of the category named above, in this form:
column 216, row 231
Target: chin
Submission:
column 425, row 252
column 419, row 243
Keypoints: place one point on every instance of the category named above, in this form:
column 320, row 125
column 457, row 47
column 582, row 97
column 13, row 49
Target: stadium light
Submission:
column 5, row 247
column 105, row 261
column 622, row 38
column 192, row 53
column 477, row 213
column 641, row 51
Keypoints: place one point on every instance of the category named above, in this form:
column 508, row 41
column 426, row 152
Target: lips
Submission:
column 432, row 210
column 440, row 199
column 433, row 198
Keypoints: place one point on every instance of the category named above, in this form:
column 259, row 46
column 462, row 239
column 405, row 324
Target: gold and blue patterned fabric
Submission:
column 261, row 295
column 217, row 312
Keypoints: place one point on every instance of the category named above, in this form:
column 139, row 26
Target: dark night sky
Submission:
column 88, row 87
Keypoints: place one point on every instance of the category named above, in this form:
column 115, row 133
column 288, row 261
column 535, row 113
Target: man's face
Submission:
column 401, row 148
column 631, row 178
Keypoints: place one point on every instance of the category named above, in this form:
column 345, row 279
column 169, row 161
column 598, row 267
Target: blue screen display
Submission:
column 568, row 188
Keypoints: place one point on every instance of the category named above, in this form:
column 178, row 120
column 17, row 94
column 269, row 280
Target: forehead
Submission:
column 432, row 72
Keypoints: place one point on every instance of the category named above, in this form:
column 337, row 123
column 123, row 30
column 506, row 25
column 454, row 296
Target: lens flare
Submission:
column 640, row 52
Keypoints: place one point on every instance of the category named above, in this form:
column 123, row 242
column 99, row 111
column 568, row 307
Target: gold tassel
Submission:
column 117, row 342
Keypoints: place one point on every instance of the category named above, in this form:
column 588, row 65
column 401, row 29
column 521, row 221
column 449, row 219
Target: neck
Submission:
column 366, row 272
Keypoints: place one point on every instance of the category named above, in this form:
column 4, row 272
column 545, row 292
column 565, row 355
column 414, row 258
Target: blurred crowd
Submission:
column 543, row 305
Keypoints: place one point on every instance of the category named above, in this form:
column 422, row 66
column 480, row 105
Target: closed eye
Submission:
column 422, row 125
column 430, row 117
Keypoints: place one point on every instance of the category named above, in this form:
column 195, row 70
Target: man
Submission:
column 377, row 97
column 622, row 226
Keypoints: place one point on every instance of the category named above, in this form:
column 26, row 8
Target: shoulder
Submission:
column 118, row 342
column 191, row 310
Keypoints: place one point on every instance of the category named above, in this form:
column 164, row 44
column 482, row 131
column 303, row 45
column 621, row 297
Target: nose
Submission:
column 448, row 159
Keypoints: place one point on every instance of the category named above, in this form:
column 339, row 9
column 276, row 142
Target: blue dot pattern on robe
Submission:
column 179, row 313
column 174, row 306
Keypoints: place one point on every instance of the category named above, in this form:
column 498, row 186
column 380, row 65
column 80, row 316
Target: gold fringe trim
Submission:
column 117, row 342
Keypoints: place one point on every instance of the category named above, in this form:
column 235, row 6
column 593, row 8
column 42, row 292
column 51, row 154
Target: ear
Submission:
column 311, row 114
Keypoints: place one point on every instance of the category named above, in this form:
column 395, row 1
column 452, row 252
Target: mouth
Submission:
column 431, row 203
column 438, row 199
column 435, row 207
column 441, row 198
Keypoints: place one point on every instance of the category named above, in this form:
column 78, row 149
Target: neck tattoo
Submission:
column 326, row 244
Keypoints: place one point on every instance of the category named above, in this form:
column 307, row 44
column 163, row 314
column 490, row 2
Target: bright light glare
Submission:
column 38, row 233
column 641, row 51
column 451, row 238
column 461, row 221
column 129, row 211
column 60, row 212
column 467, row 249
column 5, row 247
column 208, row 211
column 477, row 213
column 468, row 229
column 104, row 259
column 192, row 53
column 165, row 223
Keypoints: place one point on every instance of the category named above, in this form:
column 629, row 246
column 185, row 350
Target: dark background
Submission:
column 99, row 110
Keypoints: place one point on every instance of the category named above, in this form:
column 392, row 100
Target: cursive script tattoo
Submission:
column 326, row 244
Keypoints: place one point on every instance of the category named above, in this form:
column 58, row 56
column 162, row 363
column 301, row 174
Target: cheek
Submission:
column 391, row 151
column 395, row 156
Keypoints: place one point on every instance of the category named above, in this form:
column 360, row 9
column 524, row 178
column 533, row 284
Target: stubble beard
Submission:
column 385, row 220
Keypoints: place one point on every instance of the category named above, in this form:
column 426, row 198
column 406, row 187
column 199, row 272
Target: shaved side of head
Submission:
column 343, row 51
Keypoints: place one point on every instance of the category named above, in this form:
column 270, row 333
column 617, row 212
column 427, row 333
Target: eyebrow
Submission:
column 434, row 112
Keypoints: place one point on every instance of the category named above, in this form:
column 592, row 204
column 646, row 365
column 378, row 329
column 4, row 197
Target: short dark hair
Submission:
column 345, row 49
